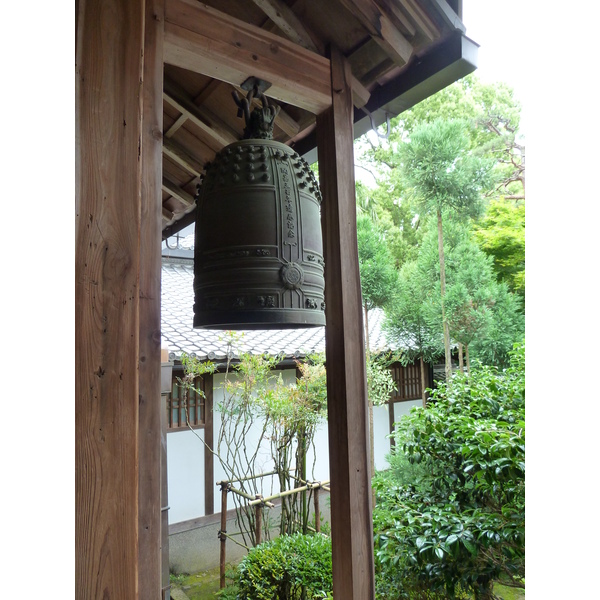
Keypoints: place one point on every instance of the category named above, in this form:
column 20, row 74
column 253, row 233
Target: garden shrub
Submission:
column 450, row 513
column 285, row 568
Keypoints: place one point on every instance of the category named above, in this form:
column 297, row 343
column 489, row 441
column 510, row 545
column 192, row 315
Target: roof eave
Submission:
column 440, row 66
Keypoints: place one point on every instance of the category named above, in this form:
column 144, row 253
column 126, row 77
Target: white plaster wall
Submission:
column 185, row 456
column 185, row 475
column 381, row 429
column 403, row 408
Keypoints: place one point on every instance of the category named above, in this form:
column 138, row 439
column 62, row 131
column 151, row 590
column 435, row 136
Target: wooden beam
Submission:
column 150, row 528
column 381, row 29
column 349, row 447
column 449, row 16
column 285, row 18
column 204, row 40
column 208, row 122
column 181, row 156
column 423, row 22
column 172, row 188
column 402, row 20
column 167, row 215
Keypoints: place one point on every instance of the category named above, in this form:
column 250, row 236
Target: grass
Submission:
column 198, row 586
column 509, row 593
column 204, row 585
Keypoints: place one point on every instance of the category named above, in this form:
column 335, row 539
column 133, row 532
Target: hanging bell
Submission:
column 258, row 252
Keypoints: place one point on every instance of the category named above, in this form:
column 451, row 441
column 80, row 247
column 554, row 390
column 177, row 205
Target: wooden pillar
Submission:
column 209, row 459
column 117, row 299
column 349, row 451
column 150, row 556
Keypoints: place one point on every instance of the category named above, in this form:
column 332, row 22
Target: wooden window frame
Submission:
column 198, row 402
column 408, row 382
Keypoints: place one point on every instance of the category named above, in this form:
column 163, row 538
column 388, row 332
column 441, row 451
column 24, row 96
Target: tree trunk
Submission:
column 461, row 364
column 423, row 383
column 448, row 358
column 371, row 429
column 468, row 360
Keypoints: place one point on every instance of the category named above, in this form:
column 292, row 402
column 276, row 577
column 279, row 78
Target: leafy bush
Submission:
column 450, row 513
column 284, row 568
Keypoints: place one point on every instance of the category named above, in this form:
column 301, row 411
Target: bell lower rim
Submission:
column 259, row 319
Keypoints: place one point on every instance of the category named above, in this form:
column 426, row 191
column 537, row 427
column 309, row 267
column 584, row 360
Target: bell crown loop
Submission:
column 259, row 122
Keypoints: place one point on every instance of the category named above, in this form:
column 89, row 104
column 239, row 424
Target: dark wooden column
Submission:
column 209, row 459
column 117, row 301
column 150, row 529
column 349, row 451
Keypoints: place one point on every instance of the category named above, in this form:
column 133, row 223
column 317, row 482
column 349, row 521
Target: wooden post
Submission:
column 317, row 512
column 150, row 556
column 258, row 523
column 349, row 452
column 209, row 471
column 117, row 299
column 223, row 557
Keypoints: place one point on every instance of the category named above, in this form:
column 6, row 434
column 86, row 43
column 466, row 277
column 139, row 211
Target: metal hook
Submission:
column 374, row 127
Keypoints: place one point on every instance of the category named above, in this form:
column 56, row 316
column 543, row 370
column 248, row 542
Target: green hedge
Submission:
column 283, row 568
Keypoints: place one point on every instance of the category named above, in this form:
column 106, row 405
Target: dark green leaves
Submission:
column 455, row 518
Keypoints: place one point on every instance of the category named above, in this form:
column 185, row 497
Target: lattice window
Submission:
column 186, row 408
column 408, row 382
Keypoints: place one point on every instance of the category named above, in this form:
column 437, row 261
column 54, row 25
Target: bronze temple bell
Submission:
column 258, row 252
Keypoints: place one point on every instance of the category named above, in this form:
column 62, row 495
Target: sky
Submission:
column 500, row 33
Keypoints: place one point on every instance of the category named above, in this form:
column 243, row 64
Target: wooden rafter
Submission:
column 208, row 122
column 206, row 41
column 285, row 18
column 172, row 188
column 181, row 156
column 423, row 22
column 381, row 29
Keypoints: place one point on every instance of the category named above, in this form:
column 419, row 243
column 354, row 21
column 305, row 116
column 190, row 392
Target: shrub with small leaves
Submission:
column 289, row 567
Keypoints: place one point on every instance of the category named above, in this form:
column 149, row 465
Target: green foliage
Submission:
column 257, row 405
column 287, row 568
column 450, row 513
column 380, row 383
column 443, row 174
column 406, row 319
column 501, row 235
column 490, row 115
column 293, row 413
column 482, row 313
column 378, row 275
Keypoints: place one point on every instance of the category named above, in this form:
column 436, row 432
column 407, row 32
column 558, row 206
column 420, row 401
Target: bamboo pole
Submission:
column 222, row 537
column 308, row 486
column 258, row 522
column 317, row 513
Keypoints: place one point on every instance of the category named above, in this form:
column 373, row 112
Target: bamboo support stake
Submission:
column 228, row 481
column 223, row 538
column 317, row 513
column 258, row 522
column 309, row 486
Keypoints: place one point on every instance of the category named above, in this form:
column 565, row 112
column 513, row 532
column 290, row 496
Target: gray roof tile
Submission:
column 179, row 336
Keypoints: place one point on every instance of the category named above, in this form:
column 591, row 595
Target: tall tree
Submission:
column 446, row 178
column 406, row 319
column 494, row 117
column 378, row 281
column 483, row 315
